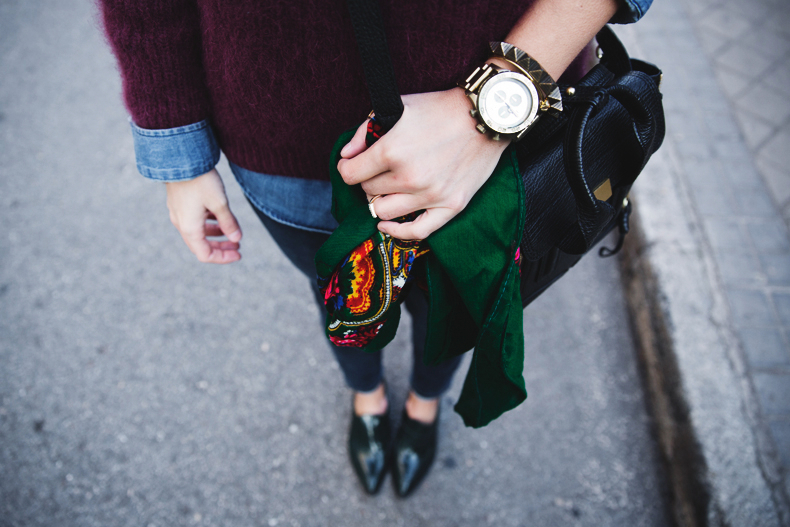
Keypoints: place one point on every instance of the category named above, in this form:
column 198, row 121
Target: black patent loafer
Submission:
column 369, row 443
column 414, row 452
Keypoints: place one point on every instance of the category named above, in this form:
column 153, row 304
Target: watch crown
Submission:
column 480, row 128
column 544, row 105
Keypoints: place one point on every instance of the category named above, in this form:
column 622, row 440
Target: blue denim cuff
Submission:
column 630, row 11
column 175, row 154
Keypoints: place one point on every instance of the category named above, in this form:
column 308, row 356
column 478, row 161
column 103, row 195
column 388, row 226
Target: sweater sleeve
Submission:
column 158, row 47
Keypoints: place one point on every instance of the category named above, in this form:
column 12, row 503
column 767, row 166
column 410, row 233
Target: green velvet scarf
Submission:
column 473, row 279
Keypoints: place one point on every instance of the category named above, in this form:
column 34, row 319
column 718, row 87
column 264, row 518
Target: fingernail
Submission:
column 235, row 235
column 344, row 151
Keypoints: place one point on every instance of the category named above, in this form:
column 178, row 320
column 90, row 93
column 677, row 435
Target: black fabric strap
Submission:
column 376, row 63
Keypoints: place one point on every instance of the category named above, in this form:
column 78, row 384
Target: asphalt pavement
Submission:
column 139, row 387
column 713, row 257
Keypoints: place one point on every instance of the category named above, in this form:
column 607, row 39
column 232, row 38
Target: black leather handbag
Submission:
column 577, row 165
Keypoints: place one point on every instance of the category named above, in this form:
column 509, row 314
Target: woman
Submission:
column 273, row 84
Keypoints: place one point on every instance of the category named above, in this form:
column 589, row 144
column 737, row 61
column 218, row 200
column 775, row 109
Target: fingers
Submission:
column 426, row 223
column 212, row 229
column 226, row 221
column 218, row 252
column 193, row 205
column 218, row 255
column 365, row 164
column 357, row 144
column 389, row 183
column 210, row 251
column 395, row 205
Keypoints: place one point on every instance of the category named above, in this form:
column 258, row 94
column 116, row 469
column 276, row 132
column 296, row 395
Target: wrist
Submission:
column 464, row 110
column 195, row 181
column 553, row 32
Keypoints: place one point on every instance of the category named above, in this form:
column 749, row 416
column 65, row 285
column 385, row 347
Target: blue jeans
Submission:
column 363, row 370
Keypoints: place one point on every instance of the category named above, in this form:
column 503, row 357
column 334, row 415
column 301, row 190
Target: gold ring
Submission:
column 370, row 205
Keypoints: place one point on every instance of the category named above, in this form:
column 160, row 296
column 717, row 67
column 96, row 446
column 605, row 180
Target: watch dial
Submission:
column 507, row 102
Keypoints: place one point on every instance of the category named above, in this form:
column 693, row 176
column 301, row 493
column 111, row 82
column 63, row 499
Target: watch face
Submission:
column 508, row 102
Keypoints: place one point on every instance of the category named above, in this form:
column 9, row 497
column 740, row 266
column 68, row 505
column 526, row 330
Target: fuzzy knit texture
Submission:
column 280, row 80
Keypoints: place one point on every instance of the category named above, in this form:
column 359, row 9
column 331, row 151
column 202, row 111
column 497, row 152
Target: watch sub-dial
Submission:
column 507, row 103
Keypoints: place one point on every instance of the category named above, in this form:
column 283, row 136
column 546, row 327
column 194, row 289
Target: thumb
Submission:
column 227, row 223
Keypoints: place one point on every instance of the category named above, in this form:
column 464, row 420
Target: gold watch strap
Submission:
column 547, row 87
column 476, row 79
column 471, row 86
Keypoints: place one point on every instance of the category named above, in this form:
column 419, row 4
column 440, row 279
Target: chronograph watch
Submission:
column 507, row 102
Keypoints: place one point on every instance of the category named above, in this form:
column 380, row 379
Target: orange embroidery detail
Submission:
column 361, row 267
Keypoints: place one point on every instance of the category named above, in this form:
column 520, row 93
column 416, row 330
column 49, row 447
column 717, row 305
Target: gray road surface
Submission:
column 141, row 388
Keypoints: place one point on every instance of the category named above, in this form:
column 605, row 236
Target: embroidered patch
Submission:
column 365, row 285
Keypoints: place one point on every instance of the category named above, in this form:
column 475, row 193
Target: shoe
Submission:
column 414, row 452
column 369, row 443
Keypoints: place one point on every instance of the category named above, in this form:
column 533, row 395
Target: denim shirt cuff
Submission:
column 630, row 11
column 175, row 154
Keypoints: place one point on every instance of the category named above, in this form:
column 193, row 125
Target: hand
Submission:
column 199, row 209
column 432, row 159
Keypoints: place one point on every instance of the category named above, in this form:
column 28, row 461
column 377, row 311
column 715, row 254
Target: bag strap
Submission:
column 638, row 94
column 376, row 61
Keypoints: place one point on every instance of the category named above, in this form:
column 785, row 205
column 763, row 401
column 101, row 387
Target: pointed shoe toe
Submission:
column 369, row 447
column 414, row 452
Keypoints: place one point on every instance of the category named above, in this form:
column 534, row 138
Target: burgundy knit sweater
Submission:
column 280, row 80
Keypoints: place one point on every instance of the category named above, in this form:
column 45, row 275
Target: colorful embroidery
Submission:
column 365, row 285
column 361, row 275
